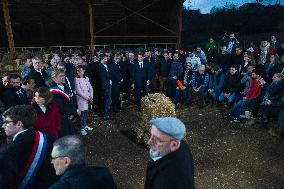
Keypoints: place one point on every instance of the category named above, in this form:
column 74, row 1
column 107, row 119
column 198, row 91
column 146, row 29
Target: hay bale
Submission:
column 153, row 105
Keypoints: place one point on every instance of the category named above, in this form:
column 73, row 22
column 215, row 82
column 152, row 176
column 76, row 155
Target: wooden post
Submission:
column 180, row 24
column 12, row 51
column 91, row 27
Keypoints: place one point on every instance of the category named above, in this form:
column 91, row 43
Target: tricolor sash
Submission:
column 60, row 92
column 35, row 160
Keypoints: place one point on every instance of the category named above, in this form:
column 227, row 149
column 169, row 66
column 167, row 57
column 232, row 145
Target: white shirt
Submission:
column 19, row 133
column 43, row 108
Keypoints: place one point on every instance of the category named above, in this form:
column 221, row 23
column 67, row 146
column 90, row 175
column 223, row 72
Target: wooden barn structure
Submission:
column 89, row 22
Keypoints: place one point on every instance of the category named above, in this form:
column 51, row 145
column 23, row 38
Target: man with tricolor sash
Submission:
column 25, row 162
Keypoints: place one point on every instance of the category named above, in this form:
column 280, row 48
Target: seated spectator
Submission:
column 231, row 43
column 201, row 55
column 246, row 81
column 184, row 85
column 199, row 84
column 270, row 68
column 231, row 86
column 193, row 60
column 25, row 163
column 211, row 50
column 271, row 101
column 223, row 59
column 68, row 157
column 176, row 71
column 48, row 117
column 216, row 83
column 249, row 100
column 237, row 57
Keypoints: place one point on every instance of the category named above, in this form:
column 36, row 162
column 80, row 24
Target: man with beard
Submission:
column 171, row 165
column 14, row 94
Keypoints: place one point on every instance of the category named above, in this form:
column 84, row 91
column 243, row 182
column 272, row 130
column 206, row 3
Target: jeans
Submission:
column 230, row 98
column 241, row 107
column 108, row 101
column 184, row 95
column 83, row 118
column 201, row 95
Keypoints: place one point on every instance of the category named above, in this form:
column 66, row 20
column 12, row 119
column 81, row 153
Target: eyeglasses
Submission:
column 53, row 158
column 6, row 122
column 157, row 140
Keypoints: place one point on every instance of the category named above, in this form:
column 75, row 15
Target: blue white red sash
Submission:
column 35, row 160
column 59, row 91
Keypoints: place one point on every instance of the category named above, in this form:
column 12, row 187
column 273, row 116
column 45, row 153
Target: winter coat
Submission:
column 173, row 171
column 231, row 84
column 204, row 80
column 84, row 91
column 83, row 177
column 254, row 91
column 50, row 121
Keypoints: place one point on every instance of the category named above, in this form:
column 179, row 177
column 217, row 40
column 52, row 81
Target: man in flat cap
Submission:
column 171, row 166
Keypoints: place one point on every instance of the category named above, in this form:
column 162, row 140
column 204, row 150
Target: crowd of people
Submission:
column 247, row 80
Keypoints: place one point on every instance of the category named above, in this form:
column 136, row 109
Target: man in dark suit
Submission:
column 14, row 94
column 106, row 83
column 116, row 78
column 38, row 72
column 128, row 76
column 25, row 163
column 140, row 79
column 68, row 158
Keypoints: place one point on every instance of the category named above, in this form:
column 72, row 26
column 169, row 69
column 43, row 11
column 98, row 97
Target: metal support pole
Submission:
column 92, row 28
column 180, row 24
column 9, row 32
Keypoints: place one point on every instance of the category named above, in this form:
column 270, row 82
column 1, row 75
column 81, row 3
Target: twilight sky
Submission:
column 206, row 5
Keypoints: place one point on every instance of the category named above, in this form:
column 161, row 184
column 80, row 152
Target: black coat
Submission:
column 14, row 158
column 83, row 177
column 173, row 171
column 66, row 108
column 140, row 75
column 39, row 78
column 105, row 77
column 14, row 96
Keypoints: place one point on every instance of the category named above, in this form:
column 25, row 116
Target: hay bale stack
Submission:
column 153, row 105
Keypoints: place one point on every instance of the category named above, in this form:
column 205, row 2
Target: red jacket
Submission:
column 254, row 91
column 50, row 121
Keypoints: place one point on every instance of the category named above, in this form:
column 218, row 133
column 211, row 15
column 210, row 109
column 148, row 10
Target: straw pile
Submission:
column 153, row 105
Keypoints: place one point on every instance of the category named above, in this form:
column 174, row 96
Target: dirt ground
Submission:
column 226, row 155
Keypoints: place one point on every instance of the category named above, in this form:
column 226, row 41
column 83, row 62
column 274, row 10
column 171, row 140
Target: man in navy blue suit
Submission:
column 116, row 78
column 140, row 79
column 106, row 83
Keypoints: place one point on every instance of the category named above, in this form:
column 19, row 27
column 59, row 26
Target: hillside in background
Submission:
column 250, row 19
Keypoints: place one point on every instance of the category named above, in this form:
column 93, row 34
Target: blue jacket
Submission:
column 217, row 81
column 204, row 77
column 274, row 93
column 176, row 69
